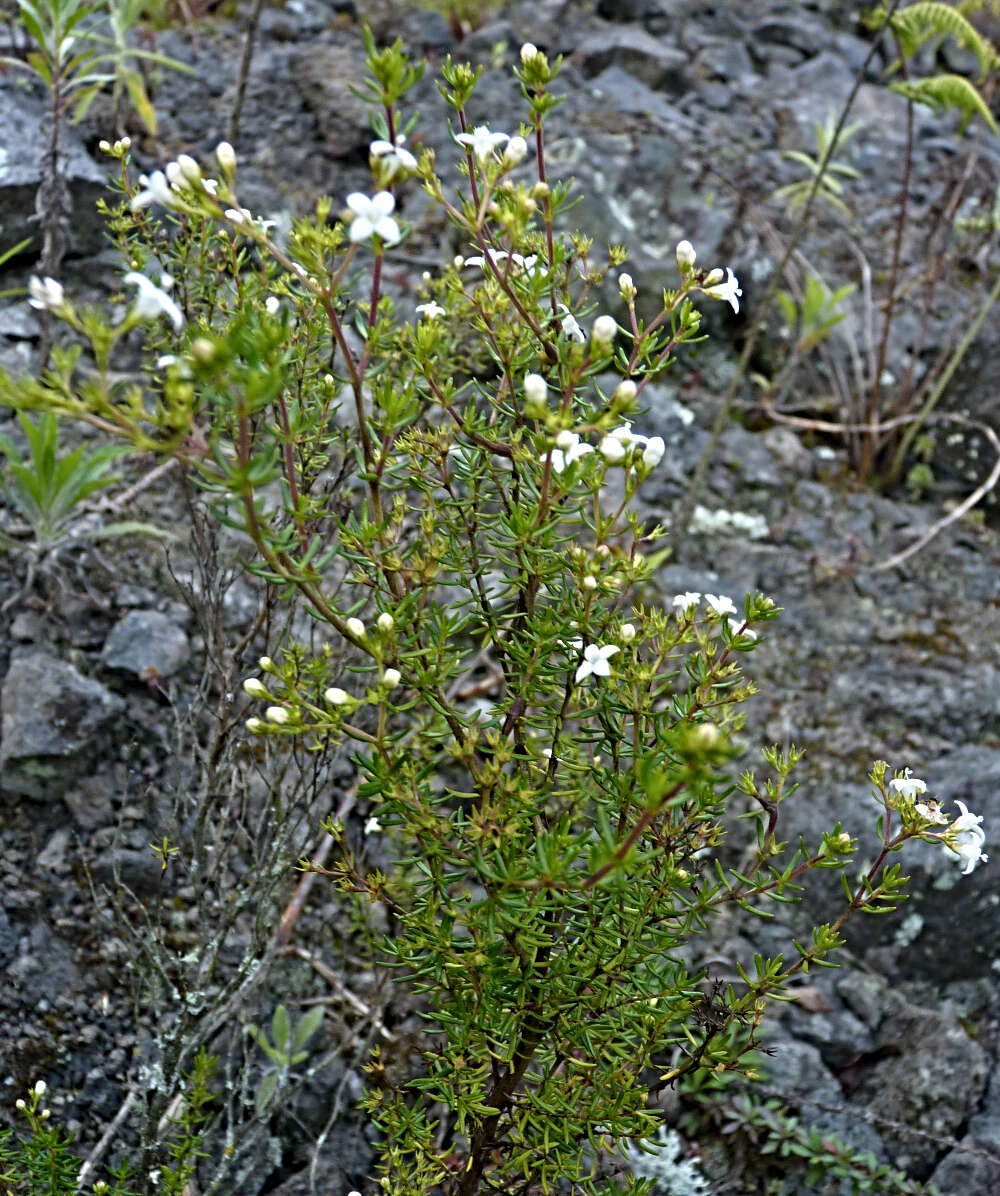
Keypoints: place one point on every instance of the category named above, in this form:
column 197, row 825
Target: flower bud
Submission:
column 256, row 726
column 272, row 305
column 356, row 628
column 514, row 152
column 40, row 1088
column 626, row 287
column 391, row 678
column 535, row 389
column 336, row 696
column 564, row 442
column 255, row 688
column 590, row 582
column 386, row 622
column 124, row 144
column 714, row 276
column 528, row 51
column 189, row 168
column 604, row 331
column 686, row 257
column 226, row 157
column 266, row 664
column 19, row 1104
column 627, row 633
column 652, row 454
column 626, row 390
column 277, row 714
column 104, row 146
column 202, row 349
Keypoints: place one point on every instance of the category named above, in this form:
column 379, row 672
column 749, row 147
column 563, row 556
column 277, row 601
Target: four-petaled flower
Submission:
column 595, row 661
column 569, row 449
column 372, row 217
column 737, row 628
column 392, row 158
column 966, row 838
column 571, row 327
column 430, row 310
column 372, row 825
column 481, row 141
column 152, row 301
column 728, row 291
column 45, row 294
column 908, row 786
column 684, row 601
column 720, row 604
column 155, row 189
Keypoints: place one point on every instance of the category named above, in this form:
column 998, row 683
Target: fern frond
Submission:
column 953, row 92
column 916, row 25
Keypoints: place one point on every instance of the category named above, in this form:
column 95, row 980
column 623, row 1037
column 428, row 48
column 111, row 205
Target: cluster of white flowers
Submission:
column 720, row 605
column 614, row 448
column 964, row 837
column 707, row 522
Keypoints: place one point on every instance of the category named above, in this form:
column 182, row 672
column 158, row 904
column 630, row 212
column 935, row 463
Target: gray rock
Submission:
column 146, row 643
column 646, row 58
column 933, row 1082
column 24, row 122
column 968, row 1169
column 8, row 938
column 53, row 718
column 323, row 75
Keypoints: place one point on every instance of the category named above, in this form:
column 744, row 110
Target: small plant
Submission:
column 285, row 1049
column 39, row 1160
column 822, row 169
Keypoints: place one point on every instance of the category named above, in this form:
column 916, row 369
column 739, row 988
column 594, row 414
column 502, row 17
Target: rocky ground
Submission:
column 677, row 117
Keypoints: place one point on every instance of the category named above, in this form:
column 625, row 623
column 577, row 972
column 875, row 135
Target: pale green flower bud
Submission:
column 626, row 390
column 386, row 622
column 255, row 688
column 356, row 628
column 535, row 391
column 590, row 582
column 266, row 664
column 189, row 168
column 40, row 1088
column 514, row 152
column 686, row 257
column 604, row 331
column 336, row 696
column 626, row 287
column 256, row 726
column 391, row 678
column 628, row 633
column 528, row 51
column 277, row 714
column 226, row 157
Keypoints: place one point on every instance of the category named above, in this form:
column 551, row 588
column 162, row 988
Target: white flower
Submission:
column 931, row 812
column 210, row 185
column 189, row 168
column 255, row 688
column 393, row 158
column 272, row 305
column 372, row 825
column 536, row 389
column 515, row 151
column 595, row 661
column 728, row 290
column 686, row 256
column 430, row 310
column 683, row 601
column 385, row 622
column 612, row 449
column 908, row 786
column 225, row 155
column 604, row 331
column 152, row 301
column 569, row 449
column 156, row 189
column 45, row 294
column 720, row 604
column 481, row 141
column 571, row 327
column 966, row 839
column 277, row 714
column 336, row 696
column 737, row 628
column 356, row 628
column 372, row 217
column 391, row 678
column 652, row 454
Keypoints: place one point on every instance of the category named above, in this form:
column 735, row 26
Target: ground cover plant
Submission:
column 544, row 755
